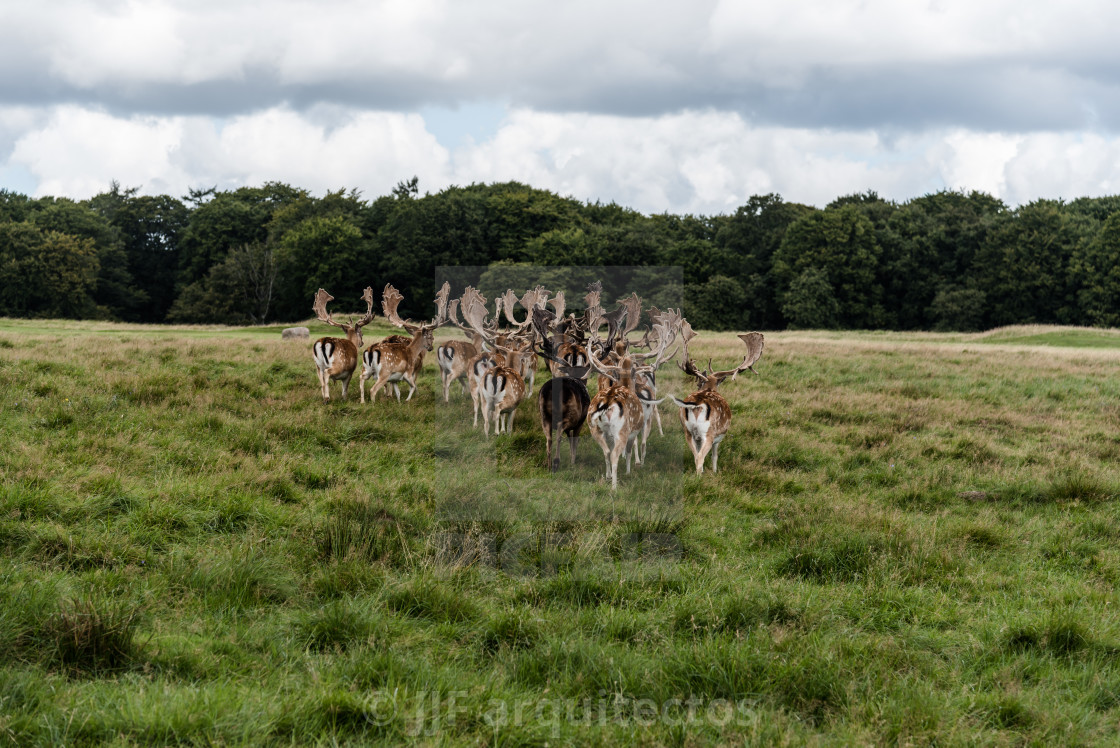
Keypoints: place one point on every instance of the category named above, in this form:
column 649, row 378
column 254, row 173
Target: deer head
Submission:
column 352, row 328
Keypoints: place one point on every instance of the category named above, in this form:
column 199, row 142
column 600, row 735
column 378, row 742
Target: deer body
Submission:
column 706, row 416
column 502, row 390
column 394, row 361
column 454, row 357
column 645, row 387
column 336, row 358
column 476, row 370
column 615, row 419
column 562, row 403
column 400, row 358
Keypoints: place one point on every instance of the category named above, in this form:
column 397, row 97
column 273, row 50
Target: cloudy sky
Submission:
column 661, row 106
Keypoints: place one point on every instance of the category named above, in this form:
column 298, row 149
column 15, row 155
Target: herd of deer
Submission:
column 498, row 367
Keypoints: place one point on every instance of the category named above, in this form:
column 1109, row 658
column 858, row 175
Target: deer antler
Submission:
column 538, row 296
column 593, row 312
column 367, row 297
column 633, row 306
column 666, row 334
column 322, row 298
column 687, row 333
column 688, row 367
column 613, row 372
column 390, row 300
column 543, row 321
column 558, row 304
column 615, row 321
column 474, row 312
column 441, row 305
column 594, row 294
column 753, row 341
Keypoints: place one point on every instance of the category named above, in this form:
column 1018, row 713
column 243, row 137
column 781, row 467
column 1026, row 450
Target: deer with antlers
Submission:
column 473, row 305
column 538, row 297
column 503, row 388
column 454, row 356
column 705, row 414
column 497, row 382
column 394, row 360
column 563, row 400
column 336, row 358
column 615, row 415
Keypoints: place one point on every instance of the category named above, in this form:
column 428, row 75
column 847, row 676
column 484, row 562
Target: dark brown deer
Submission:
column 563, row 400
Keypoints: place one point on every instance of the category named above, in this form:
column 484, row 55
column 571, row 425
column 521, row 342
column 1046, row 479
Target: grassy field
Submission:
column 913, row 539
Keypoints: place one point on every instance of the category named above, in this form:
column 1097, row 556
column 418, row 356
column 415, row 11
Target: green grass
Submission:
column 912, row 539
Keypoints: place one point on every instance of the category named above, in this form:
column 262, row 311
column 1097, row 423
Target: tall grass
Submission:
column 912, row 540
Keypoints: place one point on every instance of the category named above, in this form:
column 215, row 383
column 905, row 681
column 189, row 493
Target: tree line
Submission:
column 944, row 261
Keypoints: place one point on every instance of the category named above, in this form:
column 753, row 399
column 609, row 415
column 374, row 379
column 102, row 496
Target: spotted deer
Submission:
column 503, row 389
column 336, row 358
column 392, row 361
column 705, row 414
column 615, row 416
column 454, row 356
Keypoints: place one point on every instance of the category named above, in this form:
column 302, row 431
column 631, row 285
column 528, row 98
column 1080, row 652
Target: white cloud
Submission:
column 77, row 152
column 698, row 162
column 661, row 106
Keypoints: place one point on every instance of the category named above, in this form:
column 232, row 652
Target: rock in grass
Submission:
column 295, row 333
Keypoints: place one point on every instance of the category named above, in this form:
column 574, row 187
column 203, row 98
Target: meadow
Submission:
column 912, row 539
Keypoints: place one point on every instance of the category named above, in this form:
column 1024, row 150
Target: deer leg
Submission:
column 548, row 450
column 701, row 455
column 715, row 457
column 381, row 382
column 345, row 385
column 691, row 446
column 412, row 385
column 509, row 421
column 616, row 452
column 573, row 442
column 446, row 385
column 657, row 415
column 647, row 427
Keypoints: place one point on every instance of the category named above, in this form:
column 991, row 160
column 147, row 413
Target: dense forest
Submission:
column 944, row 261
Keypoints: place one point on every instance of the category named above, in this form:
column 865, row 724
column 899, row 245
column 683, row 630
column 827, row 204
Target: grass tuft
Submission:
column 91, row 636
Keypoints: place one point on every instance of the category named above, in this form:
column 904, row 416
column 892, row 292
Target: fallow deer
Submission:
column 615, row 415
column 503, row 389
column 336, row 358
column 705, row 414
column 395, row 361
column 563, row 400
column 454, row 356
column 538, row 297
column 473, row 305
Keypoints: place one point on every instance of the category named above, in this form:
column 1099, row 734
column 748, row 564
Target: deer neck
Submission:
column 354, row 335
column 416, row 347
